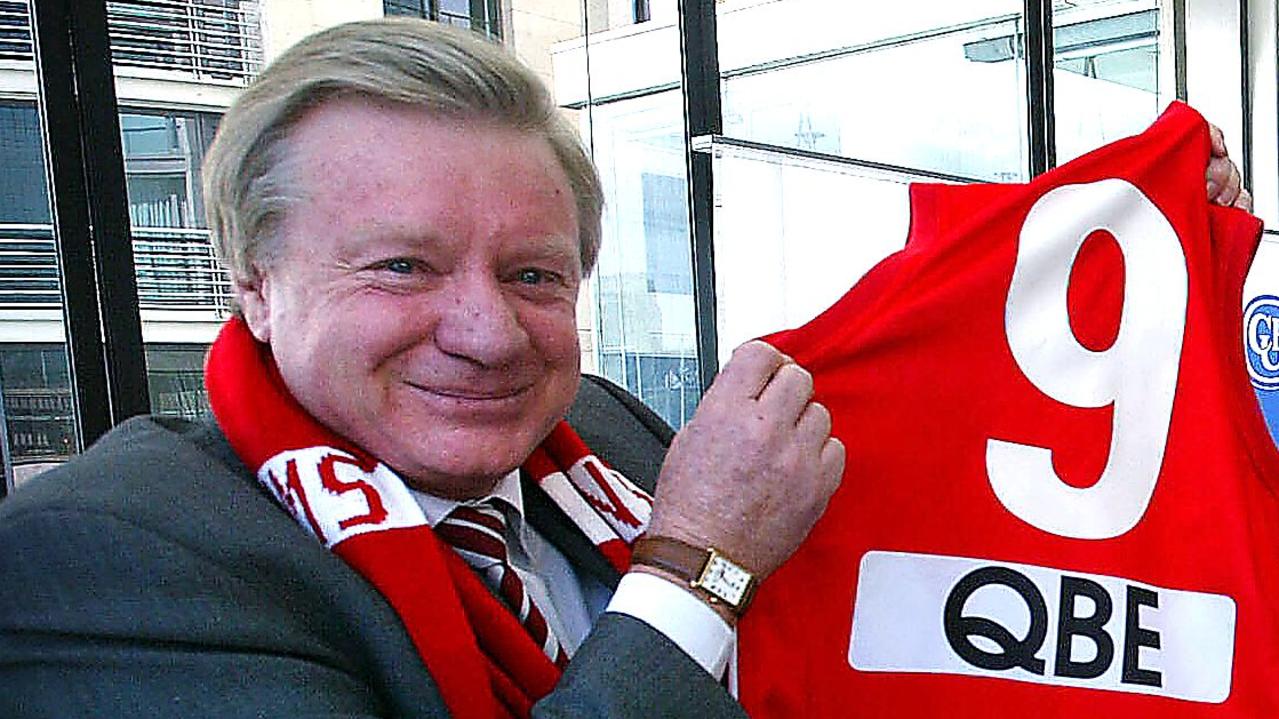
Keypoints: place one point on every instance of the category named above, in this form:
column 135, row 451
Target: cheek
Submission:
column 554, row 334
column 348, row 336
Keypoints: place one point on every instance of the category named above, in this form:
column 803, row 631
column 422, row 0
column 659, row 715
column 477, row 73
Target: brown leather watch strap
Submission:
column 689, row 563
column 680, row 558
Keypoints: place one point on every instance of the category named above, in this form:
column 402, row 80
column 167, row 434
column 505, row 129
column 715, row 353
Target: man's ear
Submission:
column 253, row 295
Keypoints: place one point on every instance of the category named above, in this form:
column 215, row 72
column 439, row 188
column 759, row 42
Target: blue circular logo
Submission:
column 1261, row 341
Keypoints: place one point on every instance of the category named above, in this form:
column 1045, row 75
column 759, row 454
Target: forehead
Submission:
column 354, row 133
column 360, row 161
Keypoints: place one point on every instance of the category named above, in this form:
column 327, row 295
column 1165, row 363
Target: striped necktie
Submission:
column 478, row 533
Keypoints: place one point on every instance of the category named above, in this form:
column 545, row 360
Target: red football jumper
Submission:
column 1060, row 497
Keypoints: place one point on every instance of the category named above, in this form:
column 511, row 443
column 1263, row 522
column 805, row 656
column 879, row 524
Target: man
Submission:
column 407, row 219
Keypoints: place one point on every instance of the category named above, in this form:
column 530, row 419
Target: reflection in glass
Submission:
column 38, row 402
column 793, row 234
column 35, row 386
column 1108, row 82
column 182, row 291
column 483, row 16
column 636, row 318
column 175, row 378
column 926, row 85
column 647, row 334
column 23, row 197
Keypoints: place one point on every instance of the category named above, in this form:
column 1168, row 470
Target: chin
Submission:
column 460, row 457
column 468, row 468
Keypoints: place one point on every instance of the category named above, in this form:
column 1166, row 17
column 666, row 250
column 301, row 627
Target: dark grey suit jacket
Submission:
column 153, row 577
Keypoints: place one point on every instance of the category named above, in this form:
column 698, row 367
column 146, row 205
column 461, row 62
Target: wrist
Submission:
column 721, row 610
column 704, row 571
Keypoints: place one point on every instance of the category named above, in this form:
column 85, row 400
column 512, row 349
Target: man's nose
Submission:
column 480, row 323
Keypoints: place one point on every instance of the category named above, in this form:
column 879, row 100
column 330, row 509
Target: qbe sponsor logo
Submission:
column 1261, row 341
column 956, row 615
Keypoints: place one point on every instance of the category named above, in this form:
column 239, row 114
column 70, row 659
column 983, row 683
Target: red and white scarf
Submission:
column 482, row 659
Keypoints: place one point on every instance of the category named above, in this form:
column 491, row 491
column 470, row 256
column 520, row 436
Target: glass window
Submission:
column 924, row 84
column 38, row 408
column 793, row 234
column 23, row 197
column 183, row 293
column 666, row 233
column 824, row 129
column 455, row 12
column 163, row 152
column 644, row 279
column 412, row 8
column 1109, row 82
column 667, row 384
column 483, row 16
column 37, row 411
column 618, row 80
column 176, row 268
column 175, row 378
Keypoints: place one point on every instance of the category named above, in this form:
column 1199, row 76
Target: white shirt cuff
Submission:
column 676, row 613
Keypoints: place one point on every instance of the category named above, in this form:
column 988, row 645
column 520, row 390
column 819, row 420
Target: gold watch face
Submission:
column 725, row 580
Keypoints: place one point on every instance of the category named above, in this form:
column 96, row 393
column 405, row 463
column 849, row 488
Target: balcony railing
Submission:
column 176, row 269
column 209, row 39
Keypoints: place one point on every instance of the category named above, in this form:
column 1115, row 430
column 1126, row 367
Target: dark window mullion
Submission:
column 494, row 19
column 109, row 212
column 699, row 57
column 64, row 165
column 86, row 171
column 1245, row 90
column 1038, row 45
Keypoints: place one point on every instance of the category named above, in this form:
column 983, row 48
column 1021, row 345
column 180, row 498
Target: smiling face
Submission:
column 421, row 297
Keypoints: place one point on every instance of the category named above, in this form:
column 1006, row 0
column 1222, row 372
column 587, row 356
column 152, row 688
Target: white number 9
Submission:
column 1138, row 373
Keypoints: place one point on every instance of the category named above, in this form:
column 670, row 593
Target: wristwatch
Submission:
column 706, row 569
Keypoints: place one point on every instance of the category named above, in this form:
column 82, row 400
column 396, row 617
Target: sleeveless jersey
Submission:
column 1060, row 497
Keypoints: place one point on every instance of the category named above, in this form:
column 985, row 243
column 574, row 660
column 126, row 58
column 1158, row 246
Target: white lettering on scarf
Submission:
column 622, row 505
column 327, row 492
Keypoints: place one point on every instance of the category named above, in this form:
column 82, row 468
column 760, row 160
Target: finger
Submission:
column 747, row 371
column 1230, row 191
column 832, row 459
column 814, row 425
column 1244, row 200
column 787, row 393
column 1217, row 175
column 1218, row 139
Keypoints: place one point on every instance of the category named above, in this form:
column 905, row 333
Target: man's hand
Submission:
column 753, row 470
column 1225, row 184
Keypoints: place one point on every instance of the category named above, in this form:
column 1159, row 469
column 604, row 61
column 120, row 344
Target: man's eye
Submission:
column 534, row 276
column 399, row 265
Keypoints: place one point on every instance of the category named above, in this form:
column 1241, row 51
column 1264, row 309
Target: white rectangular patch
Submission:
column 943, row 615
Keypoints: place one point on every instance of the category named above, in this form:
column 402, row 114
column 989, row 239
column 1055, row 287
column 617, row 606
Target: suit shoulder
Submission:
column 153, row 472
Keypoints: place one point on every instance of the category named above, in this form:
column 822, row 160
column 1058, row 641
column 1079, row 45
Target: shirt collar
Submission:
column 507, row 490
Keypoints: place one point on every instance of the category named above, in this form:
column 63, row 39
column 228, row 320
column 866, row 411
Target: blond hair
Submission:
column 446, row 71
